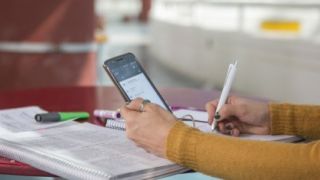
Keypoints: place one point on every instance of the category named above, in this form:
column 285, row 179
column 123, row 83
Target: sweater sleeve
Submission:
column 233, row 158
column 303, row 120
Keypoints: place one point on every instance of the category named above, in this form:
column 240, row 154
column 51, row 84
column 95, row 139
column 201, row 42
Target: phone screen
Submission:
column 133, row 81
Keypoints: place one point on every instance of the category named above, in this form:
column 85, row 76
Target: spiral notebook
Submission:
column 118, row 124
column 85, row 151
column 76, row 150
column 201, row 122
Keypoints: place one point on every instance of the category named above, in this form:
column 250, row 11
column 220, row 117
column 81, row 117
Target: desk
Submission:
column 84, row 99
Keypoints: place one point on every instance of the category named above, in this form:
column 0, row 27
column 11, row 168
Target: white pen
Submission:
column 225, row 92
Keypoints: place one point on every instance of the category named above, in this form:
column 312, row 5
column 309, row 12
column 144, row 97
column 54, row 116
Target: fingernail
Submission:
column 147, row 101
column 217, row 116
column 232, row 133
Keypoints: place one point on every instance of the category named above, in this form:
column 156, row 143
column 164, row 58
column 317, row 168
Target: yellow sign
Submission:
column 281, row 26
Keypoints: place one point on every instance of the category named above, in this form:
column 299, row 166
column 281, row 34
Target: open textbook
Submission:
column 80, row 151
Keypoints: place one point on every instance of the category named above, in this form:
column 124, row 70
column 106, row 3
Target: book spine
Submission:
column 49, row 162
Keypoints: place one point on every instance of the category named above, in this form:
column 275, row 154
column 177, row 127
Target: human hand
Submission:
column 148, row 129
column 240, row 115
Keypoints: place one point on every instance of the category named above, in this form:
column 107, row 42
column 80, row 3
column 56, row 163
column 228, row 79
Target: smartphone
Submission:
column 132, row 81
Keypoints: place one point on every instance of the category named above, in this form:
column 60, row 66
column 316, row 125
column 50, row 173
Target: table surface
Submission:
column 85, row 99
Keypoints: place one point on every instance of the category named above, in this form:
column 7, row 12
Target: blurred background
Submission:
column 181, row 43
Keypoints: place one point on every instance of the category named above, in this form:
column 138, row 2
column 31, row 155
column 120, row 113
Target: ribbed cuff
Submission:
column 181, row 145
column 282, row 118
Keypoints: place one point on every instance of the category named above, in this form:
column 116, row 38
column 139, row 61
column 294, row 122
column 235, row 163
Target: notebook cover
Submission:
column 13, row 167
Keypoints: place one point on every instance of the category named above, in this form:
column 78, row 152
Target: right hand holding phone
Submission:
column 240, row 115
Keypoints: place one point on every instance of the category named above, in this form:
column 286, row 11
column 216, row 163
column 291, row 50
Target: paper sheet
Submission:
column 198, row 115
column 205, row 127
column 22, row 119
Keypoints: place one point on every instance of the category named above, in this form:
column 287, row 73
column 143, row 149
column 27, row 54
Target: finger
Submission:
column 250, row 129
column 229, row 129
column 229, row 126
column 235, row 132
column 229, row 110
column 128, row 113
column 211, row 108
column 234, row 123
column 232, row 99
column 221, row 127
column 214, row 102
column 135, row 104
column 225, row 126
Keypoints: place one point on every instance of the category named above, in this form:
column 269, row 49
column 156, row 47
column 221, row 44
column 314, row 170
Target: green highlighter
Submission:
column 60, row 116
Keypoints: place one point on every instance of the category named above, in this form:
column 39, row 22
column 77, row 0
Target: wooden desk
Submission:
column 85, row 99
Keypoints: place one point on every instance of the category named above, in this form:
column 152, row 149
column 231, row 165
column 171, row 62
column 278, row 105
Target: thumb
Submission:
column 127, row 112
column 135, row 104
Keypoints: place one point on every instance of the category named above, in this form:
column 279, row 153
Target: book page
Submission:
column 22, row 119
column 107, row 150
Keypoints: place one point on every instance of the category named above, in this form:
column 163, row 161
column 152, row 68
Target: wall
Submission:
column 282, row 66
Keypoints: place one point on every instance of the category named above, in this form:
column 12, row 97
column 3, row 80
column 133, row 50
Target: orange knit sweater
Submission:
column 233, row 158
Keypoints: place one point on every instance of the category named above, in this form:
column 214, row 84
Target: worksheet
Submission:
column 22, row 119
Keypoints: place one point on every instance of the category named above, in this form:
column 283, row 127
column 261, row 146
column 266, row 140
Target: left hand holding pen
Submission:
column 148, row 128
column 240, row 115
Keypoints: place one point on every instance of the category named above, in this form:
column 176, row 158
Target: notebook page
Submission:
column 22, row 119
column 205, row 127
column 106, row 150
column 198, row 115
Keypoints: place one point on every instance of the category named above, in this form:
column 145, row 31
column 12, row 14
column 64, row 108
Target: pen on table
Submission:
column 60, row 116
column 107, row 114
column 225, row 92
